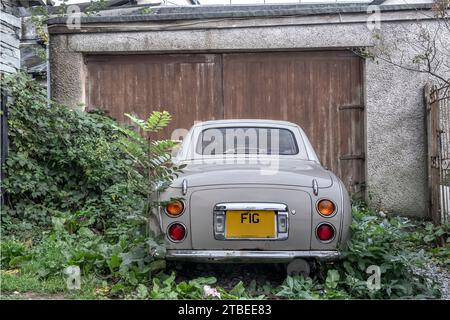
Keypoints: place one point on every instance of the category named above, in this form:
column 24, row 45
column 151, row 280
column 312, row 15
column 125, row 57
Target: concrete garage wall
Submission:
column 395, row 157
column 396, row 133
column 67, row 76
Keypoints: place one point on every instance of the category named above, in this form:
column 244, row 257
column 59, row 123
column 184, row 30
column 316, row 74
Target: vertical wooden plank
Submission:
column 433, row 153
column 188, row 86
column 306, row 88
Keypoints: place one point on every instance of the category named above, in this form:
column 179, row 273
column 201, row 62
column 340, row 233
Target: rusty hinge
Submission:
column 434, row 162
column 351, row 107
column 353, row 157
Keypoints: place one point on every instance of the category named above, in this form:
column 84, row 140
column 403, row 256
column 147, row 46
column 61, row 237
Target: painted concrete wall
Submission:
column 396, row 159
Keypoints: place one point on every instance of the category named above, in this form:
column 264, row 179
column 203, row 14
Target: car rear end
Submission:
column 255, row 224
column 237, row 211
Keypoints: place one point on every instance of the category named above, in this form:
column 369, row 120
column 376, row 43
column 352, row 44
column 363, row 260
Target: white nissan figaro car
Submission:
column 252, row 191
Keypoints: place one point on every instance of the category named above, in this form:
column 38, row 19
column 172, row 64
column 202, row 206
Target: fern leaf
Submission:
column 157, row 121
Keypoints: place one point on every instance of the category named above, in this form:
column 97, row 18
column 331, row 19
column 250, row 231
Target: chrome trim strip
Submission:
column 249, row 255
column 279, row 208
column 341, row 223
column 251, row 206
column 315, row 187
column 184, row 187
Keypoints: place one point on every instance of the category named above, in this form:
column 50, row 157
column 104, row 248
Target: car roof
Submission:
column 258, row 122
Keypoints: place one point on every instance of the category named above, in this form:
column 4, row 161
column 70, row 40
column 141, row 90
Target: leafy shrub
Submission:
column 12, row 253
column 435, row 234
column 298, row 287
column 165, row 287
column 438, row 236
column 78, row 184
column 124, row 261
column 377, row 240
column 64, row 161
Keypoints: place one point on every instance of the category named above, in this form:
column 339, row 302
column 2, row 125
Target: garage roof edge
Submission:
column 209, row 12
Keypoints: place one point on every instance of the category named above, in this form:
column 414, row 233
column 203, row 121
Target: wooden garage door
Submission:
column 188, row 86
column 320, row 91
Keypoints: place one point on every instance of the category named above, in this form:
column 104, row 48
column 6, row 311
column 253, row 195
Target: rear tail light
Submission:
column 176, row 232
column 175, row 208
column 326, row 207
column 325, row 232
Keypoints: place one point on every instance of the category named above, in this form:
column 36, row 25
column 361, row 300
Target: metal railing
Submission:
column 444, row 155
column 438, row 136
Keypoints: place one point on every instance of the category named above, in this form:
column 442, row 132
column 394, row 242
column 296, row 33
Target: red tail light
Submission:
column 325, row 232
column 177, row 232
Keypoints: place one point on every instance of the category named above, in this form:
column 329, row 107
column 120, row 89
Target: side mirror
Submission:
column 176, row 148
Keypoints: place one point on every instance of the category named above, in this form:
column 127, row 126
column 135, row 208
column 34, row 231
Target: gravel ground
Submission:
column 439, row 275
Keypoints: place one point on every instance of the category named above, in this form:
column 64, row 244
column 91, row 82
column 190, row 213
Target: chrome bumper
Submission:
column 248, row 255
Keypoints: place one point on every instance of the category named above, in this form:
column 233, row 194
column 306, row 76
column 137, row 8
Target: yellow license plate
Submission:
column 250, row 224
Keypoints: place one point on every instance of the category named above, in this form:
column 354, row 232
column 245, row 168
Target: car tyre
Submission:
column 298, row 267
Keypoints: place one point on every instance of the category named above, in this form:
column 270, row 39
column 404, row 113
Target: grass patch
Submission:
column 17, row 285
column 13, row 280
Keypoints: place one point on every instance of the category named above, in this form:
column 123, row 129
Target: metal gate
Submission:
column 438, row 135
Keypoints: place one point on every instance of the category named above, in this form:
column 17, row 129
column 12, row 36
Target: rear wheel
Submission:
column 300, row 267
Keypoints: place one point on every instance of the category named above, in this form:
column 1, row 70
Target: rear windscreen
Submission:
column 246, row 140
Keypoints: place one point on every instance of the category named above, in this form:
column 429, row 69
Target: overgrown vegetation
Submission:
column 397, row 245
column 78, row 193
column 77, row 189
